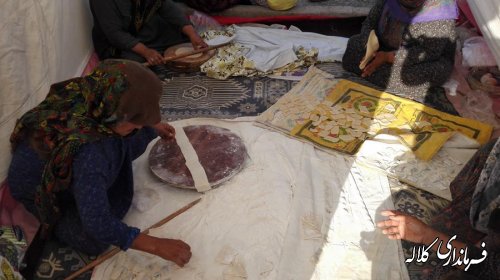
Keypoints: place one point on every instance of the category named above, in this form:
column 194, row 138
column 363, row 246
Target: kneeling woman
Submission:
column 73, row 153
column 417, row 45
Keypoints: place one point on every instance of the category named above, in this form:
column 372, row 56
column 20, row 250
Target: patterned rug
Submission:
column 194, row 95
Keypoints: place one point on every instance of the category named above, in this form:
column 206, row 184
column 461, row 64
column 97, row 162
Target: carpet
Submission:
column 193, row 95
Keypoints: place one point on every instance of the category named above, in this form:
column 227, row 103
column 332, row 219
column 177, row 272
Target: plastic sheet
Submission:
column 477, row 53
column 221, row 153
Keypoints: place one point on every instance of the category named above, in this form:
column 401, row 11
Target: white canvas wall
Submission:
column 487, row 15
column 41, row 42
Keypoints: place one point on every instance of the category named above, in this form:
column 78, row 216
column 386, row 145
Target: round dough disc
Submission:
column 183, row 50
column 221, row 153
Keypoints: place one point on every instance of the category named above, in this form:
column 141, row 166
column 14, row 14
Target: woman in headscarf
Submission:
column 417, row 45
column 473, row 216
column 73, row 153
column 139, row 30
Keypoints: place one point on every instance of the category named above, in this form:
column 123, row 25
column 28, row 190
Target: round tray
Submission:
column 221, row 153
column 189, row 63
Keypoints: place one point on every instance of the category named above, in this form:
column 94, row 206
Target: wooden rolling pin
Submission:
column 175, row 57
column 116, row 250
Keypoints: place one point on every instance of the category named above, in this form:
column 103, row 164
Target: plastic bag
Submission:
column 203, row 22
column 476, row 53
column 145, row 199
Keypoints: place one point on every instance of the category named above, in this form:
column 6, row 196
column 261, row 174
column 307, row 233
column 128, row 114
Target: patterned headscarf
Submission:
column 142, row 11
column 79, row 111
column 486, row 198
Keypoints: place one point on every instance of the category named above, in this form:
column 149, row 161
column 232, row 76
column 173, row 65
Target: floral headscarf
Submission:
column 79, row 111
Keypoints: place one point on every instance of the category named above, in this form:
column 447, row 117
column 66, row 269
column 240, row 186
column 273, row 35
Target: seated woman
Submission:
column 417, row 45
column 73, row 153
column 139, row 30
column 473, row 216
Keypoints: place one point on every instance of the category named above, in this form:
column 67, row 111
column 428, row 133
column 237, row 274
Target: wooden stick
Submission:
column 116, row 250
column 175, row 57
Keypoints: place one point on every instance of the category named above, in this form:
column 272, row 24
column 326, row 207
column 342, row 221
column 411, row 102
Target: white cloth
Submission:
column 487, row 15
column 272, row 48
column 288, row 215
column 386, row 153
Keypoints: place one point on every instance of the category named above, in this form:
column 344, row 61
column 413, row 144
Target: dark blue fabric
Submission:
column 100, row 194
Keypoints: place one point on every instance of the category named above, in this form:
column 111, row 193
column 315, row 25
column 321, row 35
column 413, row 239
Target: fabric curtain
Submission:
column 41, row 42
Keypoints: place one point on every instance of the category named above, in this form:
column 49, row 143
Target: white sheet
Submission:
column 272, row 48
column 288, row 215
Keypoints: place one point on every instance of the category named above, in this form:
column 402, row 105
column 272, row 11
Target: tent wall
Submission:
column 487, row 15
column 41, row 42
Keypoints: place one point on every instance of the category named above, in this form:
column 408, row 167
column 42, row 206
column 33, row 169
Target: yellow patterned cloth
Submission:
column 352, row 113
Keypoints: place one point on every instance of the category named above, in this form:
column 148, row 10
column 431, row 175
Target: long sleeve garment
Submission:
column 99, row 196
column 425, row 58
column 112, row 20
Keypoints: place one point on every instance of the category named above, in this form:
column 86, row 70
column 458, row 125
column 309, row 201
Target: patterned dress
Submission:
column 424, row 60
column 99, row 196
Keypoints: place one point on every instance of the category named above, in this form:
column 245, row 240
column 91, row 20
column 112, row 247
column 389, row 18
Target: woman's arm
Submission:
column 110, row 21
column 371, row 21
column 171, row 12
column 90, row 170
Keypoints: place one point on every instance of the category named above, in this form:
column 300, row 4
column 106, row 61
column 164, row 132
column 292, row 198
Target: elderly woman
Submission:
column 417, row 45
column 73, row 153
column 473, row 216
column 139, row 30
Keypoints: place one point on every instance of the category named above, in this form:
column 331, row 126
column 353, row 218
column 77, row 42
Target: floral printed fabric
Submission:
column 231, row 61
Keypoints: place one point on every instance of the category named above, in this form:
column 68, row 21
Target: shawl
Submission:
column 486, row 197
column 397, row 14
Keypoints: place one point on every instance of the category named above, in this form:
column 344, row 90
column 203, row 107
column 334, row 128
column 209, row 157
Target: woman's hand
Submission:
column 402, row 226
column 379, row 59
column 173, row 250
column 153, row 57
column 195, row 39
column 197, row 42
column 165, row 130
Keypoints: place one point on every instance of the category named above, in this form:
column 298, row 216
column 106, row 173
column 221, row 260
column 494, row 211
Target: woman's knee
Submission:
column 354, row 53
